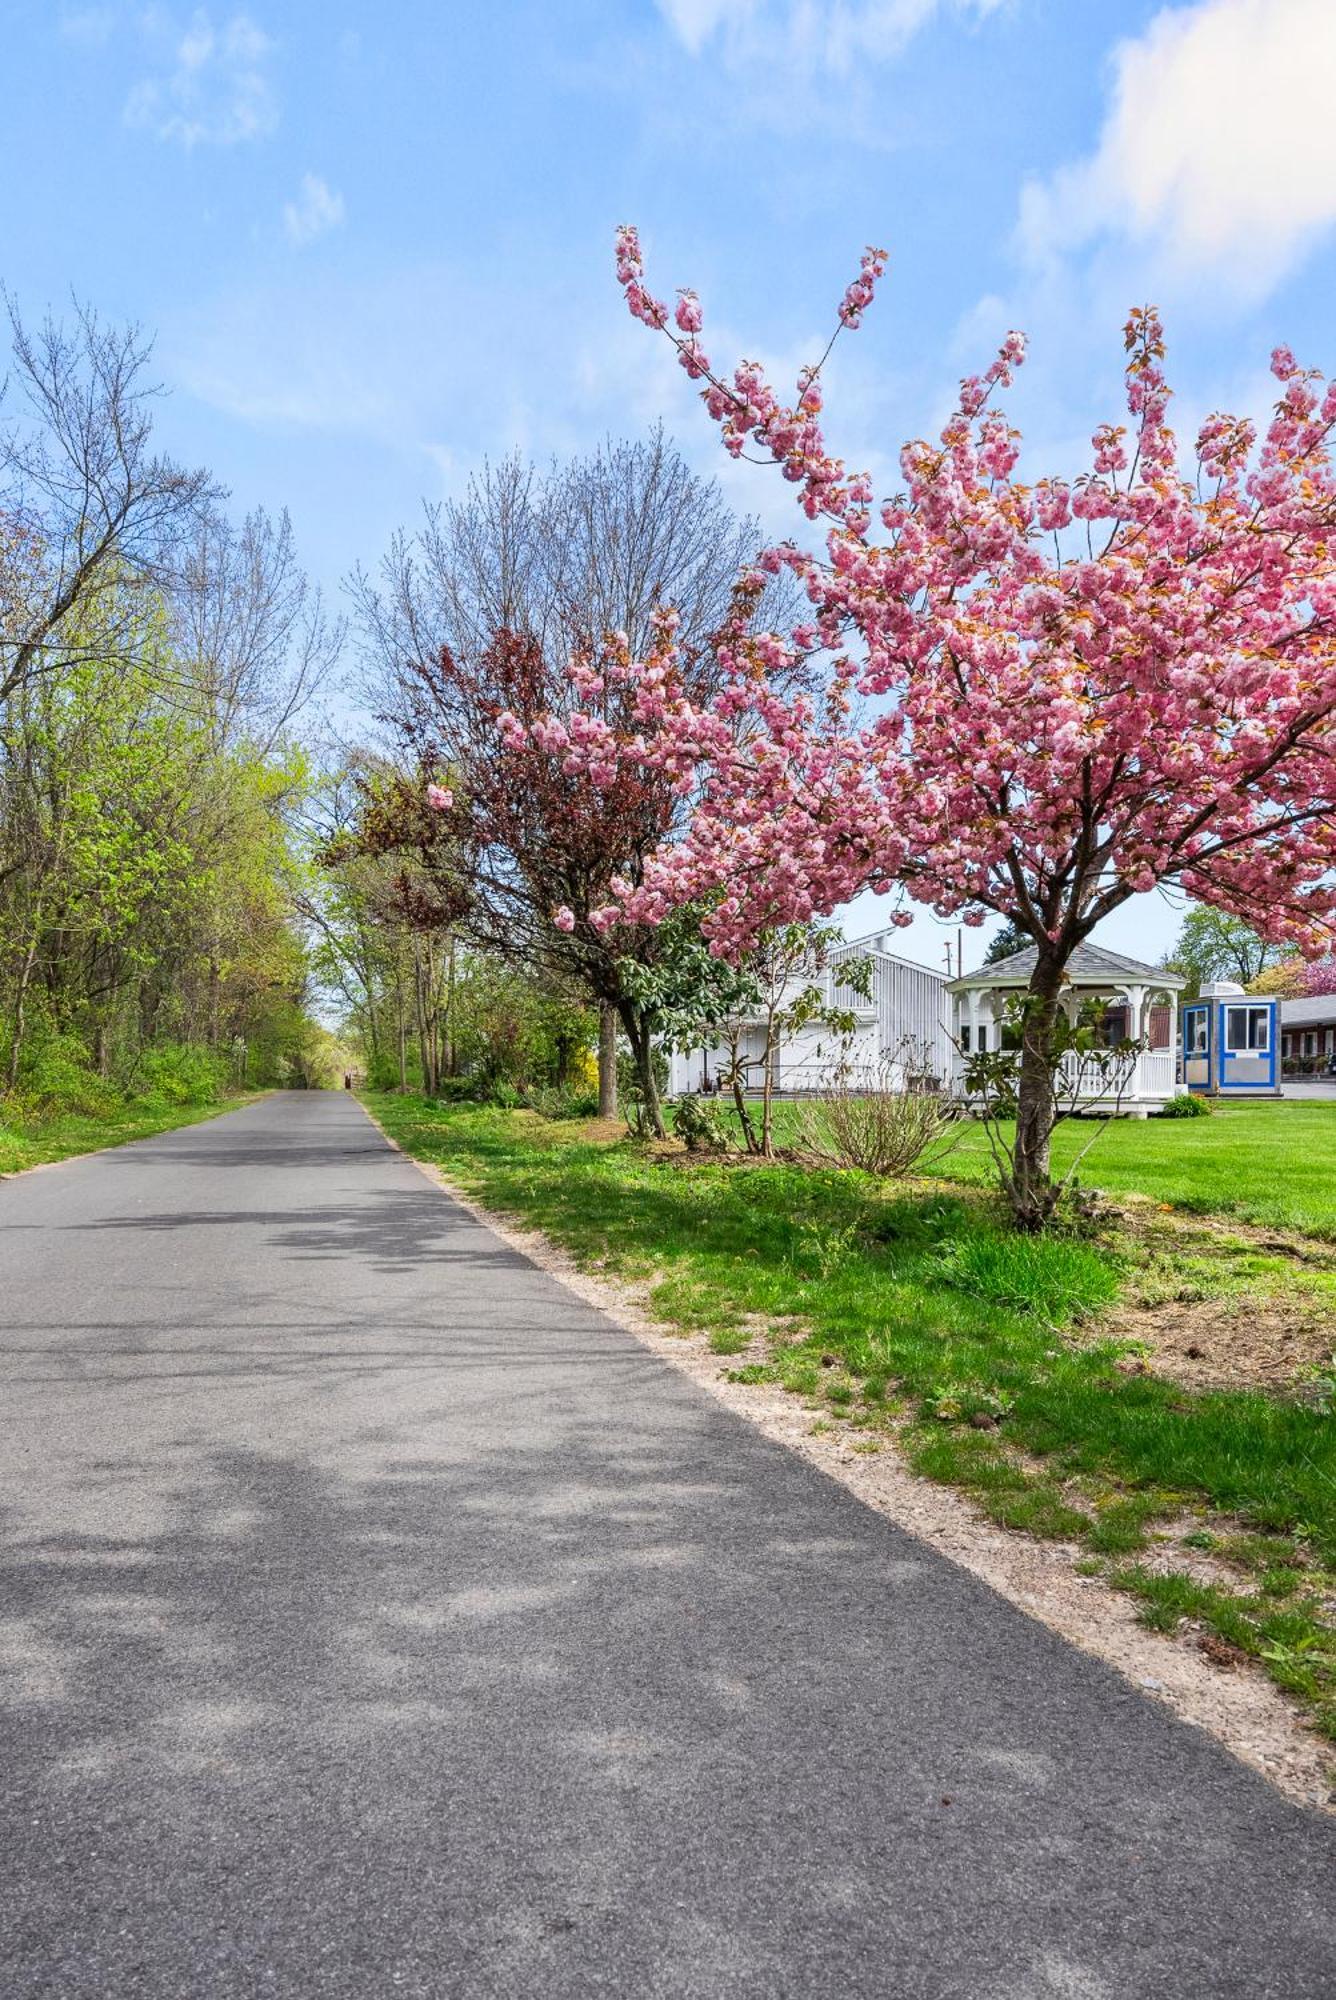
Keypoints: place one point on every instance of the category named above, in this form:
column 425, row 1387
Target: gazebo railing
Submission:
column 1152, row 1073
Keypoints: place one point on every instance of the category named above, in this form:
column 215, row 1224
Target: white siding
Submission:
column 911, row 1003
column 910, row 1006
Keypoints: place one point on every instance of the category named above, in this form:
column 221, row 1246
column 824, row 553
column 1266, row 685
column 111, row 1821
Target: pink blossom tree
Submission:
column 1038, row 698
column 1318, row 980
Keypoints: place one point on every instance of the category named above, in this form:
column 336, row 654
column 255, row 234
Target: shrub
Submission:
column 1185, row 1105
column 57, row 1079
column 457, row 1089
column 886, row 1130
column 700, row 1124
column 550, row 1100
column 181, row 1073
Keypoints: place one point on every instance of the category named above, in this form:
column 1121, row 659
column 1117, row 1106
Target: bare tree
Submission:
column 249, row 628
column 91, row 515
column 552, row 559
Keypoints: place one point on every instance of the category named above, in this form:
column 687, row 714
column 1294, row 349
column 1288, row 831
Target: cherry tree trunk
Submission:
column 607, row 1060
column 1032, row 1192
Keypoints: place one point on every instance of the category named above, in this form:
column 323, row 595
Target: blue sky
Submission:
column 375, row 245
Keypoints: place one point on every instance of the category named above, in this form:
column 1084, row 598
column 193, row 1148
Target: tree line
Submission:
column 157, row 658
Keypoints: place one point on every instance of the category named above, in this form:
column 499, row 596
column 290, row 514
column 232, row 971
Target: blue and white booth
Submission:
column 1230, row 1042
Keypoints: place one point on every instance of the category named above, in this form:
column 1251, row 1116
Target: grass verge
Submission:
column 913, row 1309
column 40, row 1143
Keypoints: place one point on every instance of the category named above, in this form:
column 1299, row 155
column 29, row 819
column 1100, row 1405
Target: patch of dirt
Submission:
column 1234, row 1703
column 1251, row 1330
column 605, row 1130
column 1233, row 1343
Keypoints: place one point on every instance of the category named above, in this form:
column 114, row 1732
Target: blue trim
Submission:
column 1188, row 1053
column 1216, row 1055
column 1228, row 1054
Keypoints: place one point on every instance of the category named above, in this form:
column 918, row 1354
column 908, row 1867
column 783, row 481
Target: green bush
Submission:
column 383, row 1072
column 181, row 1073
column 457, row 1089
column 1185, row 1105
column 700, row 1124
column 57, row 1079
column 550, row 1100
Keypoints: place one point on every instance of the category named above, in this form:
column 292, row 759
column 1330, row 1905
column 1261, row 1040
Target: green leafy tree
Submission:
column 1213, row 945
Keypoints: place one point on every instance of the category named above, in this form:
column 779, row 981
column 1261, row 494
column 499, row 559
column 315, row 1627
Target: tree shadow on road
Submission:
column 540, row 1696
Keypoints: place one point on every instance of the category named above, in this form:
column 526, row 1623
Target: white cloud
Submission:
column 1218, row 151
column 822, row 34
column 214, row 88
column 316, row 210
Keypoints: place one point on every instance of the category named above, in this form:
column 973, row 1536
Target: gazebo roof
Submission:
column 1089, row 965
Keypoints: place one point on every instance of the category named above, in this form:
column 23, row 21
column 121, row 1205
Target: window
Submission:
column 983, row 1038
column 1310, row 1044
column 1248, row 1030
column 1197, row 1031
column 965, row 1038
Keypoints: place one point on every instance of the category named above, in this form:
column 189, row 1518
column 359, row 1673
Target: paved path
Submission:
column 376, row 1619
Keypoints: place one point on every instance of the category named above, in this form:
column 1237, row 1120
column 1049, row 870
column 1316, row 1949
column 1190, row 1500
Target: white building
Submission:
column 900, row 1024
column 1140, row 1005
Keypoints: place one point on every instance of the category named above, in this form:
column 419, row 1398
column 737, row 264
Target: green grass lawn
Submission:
column 915, row 1311
column 1272, row 1164
column 37, row 1144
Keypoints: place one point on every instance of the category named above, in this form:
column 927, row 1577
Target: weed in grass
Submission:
column 1004, row 1490
column 1056, row 1278
column 1262, row 1554
column 729, row 1340
column 1120, row 1522
column 1297, row 1650
column 41, row 1141
column 752, row 1373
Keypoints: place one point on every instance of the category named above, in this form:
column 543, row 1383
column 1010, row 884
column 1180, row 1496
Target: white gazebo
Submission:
column 1140, row 1006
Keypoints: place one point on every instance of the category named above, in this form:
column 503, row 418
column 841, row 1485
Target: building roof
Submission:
column 1309, row 1013
column 874, row 947
column 1089, row 965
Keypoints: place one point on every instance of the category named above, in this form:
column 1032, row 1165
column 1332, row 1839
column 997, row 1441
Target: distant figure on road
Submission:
column 347, row 1080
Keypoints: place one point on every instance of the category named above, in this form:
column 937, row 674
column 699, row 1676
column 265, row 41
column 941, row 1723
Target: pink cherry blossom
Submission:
column 1038, row 698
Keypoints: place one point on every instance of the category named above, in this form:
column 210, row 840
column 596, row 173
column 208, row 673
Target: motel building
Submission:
column 1308, row 1035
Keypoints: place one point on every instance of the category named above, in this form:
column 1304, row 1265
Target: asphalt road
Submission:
column 376, row 1619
